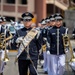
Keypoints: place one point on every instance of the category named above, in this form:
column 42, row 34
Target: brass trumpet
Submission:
column 66, row 42
column 3, row 46
column 6, row 39
column 67, row 46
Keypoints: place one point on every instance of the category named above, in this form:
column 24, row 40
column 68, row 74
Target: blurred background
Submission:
column 12, row 10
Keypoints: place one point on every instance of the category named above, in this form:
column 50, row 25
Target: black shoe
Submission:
column 1, row 73
column 45, row 72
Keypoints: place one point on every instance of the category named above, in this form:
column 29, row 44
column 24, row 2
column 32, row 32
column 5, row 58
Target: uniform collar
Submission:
column 27, row 28
column 57, row 27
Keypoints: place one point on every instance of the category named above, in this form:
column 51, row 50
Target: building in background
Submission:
column 12, row 9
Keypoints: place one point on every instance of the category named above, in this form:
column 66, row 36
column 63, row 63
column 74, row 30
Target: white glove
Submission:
column 48, row 52
column 73, row 34
column 19, row 39
column 45, row 39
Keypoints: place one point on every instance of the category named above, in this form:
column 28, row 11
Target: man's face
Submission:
column 48, row 23
column 58, row 23
column 52, row 23
column 27, row 23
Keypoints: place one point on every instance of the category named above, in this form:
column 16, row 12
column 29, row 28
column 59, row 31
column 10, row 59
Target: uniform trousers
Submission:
column 58, row 64
column 49, row 64
column 2, row 63
column 45, row 61
column 24, row 65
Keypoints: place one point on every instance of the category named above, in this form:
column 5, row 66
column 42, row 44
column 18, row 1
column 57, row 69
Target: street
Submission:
column 12, row 69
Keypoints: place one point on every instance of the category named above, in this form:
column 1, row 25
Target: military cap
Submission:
column 58, row 16
column 27, row 16
column 43, row 22
column 52, row 18
column 47, row 20
column 2, row 19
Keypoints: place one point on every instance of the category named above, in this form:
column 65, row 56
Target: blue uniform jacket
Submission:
column 44, row 35
column 52, row 39
column 34, row 45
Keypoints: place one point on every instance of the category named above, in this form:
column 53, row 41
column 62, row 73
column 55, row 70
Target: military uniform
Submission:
column 52, row 20
column 44, row 35
column 57, row 48
column 2, row 52
column 33, row 49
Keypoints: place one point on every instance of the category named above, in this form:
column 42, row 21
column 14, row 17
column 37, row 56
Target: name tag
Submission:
column 53, row 33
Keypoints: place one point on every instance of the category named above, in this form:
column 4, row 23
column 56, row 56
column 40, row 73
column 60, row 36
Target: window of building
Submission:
column 10, row 1
column 10, row 18
column 23, row 1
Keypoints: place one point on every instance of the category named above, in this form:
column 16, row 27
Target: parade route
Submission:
column 12, row 69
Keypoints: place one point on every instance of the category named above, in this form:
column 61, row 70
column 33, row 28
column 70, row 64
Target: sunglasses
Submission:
column 27, row 19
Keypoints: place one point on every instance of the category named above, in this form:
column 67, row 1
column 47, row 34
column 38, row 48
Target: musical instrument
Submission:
column 67, row 46
column 3, row 46
column 2, row 35
column 44, row 47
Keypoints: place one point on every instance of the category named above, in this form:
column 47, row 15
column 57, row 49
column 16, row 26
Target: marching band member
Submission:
column 2, row 51
column 55, row 39
column 33, row 48
column 51, row 24
column 2, row 63
column 44, row 35
column 40, row 60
